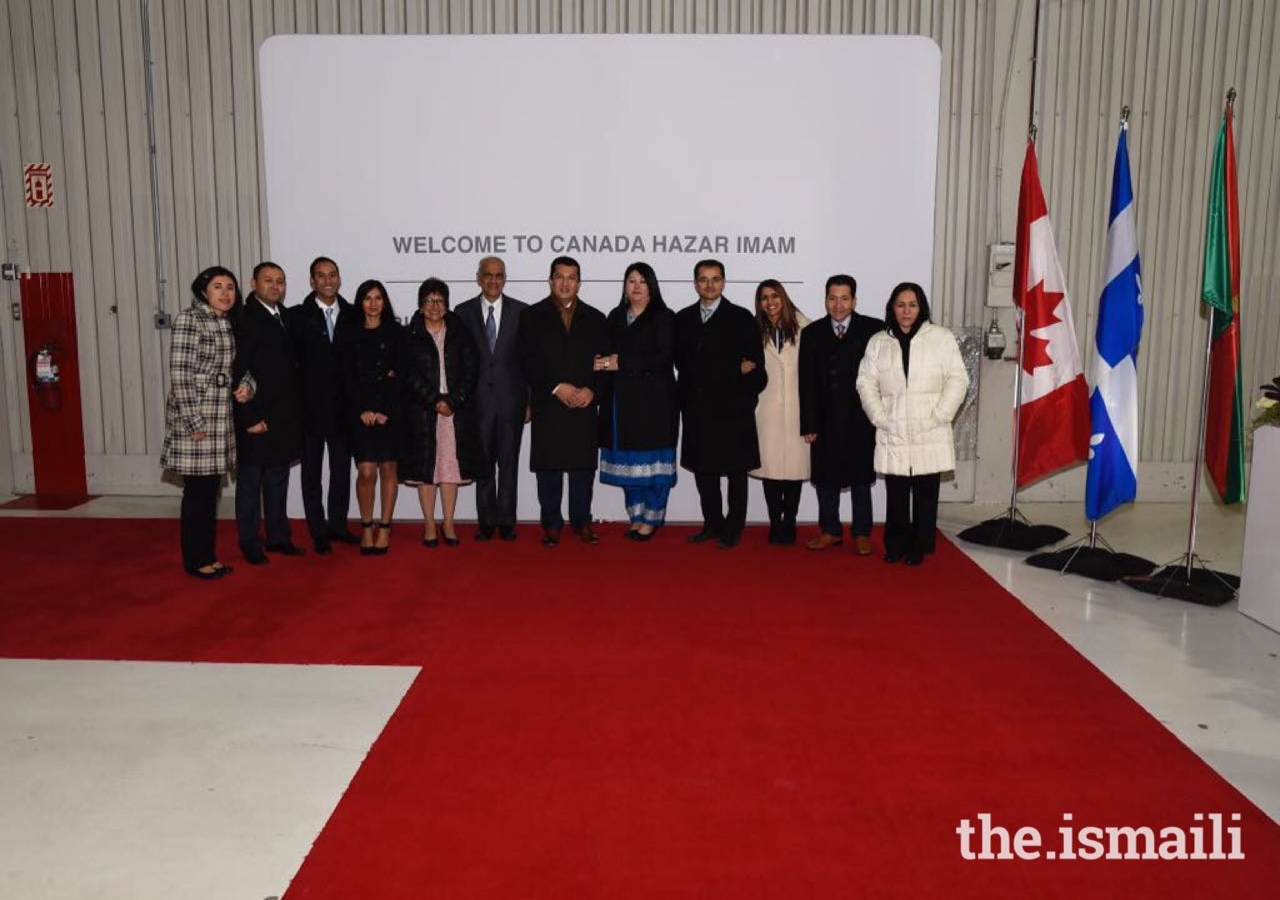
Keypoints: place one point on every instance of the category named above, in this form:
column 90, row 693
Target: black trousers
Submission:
column 714, row 519
column 199, row 519
column 782, row 498
column 262, row 493
column 911, row 516
column 496, row 489
column 829, row 509
column 313, row 447
column 582, row 486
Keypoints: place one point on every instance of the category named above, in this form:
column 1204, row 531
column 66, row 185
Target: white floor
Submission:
column 140, row 781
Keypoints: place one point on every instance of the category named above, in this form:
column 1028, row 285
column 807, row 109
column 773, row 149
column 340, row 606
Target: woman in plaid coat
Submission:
column 200, row 438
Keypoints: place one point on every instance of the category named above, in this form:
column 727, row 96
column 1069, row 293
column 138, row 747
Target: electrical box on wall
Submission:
column 1000, row 275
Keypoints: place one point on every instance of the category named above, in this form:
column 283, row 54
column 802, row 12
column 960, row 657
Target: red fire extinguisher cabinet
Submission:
column 53, row 386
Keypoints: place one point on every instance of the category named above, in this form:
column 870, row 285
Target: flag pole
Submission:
column 1010, row 529
column 1204, row 417
column 1017, row 388
column 1017, row 418
column 1093, row 523
column 1181, row 578
column 1189, row 559
column 1084, row 556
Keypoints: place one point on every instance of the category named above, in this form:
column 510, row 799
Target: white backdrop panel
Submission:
column 791, row 157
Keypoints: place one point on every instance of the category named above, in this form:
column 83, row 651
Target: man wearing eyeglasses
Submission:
column 501, row 397
column 720, row 363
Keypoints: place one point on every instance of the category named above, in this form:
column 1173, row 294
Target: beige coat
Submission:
column 783, row 453
column 913, row 416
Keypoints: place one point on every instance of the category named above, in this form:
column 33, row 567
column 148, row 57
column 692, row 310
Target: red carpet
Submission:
column 661, row 720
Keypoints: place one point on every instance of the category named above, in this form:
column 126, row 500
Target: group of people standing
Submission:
column 443, row 401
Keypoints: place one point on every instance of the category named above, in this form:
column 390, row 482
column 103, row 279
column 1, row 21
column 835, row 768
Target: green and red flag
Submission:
column 1224, row 426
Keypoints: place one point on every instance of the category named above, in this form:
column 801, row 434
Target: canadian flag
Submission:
column 1053, row 419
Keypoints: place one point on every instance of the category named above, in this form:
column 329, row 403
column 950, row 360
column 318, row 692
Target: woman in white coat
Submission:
column 784, row 455
column 911, row 383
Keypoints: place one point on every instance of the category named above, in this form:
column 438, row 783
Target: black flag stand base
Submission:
column 1188, row 579
column 1084, row 557
column 1012, row 531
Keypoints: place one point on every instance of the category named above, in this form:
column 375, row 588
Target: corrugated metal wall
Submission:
column 1172, row 63
column 73, row 93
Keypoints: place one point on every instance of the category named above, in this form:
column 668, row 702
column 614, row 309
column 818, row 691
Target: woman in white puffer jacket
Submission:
column 911, row 382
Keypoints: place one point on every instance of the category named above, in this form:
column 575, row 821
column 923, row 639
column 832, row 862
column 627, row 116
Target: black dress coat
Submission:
column 562, row 439
column 639, row 409
column 264, row 349
column 320, row 366
column 843, row 453
column 418, row 372
column 370, row 356
column 717, row 401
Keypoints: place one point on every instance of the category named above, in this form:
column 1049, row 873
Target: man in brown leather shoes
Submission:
column 841, row 439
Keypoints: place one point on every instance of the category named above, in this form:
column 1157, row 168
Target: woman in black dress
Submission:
column 373, row 413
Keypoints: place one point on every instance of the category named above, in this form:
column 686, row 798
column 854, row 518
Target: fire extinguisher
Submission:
column 45, row 380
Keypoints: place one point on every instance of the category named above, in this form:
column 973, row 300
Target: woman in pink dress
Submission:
column 438, row 374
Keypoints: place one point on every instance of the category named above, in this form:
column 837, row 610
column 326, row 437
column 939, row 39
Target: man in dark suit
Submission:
column 841, row 439
column 559, row 340
column 501, row 397
column 720, row 361
column 318, row 326
column 268, row 427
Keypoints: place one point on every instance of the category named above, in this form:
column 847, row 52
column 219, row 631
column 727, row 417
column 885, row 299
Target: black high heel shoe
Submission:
column 382, row 551
column 366, row 530
column 449, row 541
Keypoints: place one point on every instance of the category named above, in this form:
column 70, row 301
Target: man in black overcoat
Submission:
column 318, row 326
column 501, row 397
column 841, row 439
column 269, row 426
column 720, row 361
column 559, row 340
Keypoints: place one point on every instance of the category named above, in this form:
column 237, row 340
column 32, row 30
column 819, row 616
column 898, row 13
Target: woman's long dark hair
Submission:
column 787, row 322
column 363, row 291
column 891, row 321
column 201, row 284
column 651, row 279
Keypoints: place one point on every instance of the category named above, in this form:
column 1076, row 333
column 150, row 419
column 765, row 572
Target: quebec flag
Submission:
column 1112, row 477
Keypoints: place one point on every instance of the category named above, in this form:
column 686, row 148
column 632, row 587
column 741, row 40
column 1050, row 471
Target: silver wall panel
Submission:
column 1172, row 63
column 73, row 89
